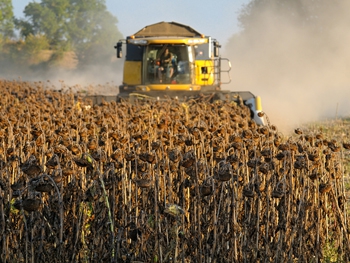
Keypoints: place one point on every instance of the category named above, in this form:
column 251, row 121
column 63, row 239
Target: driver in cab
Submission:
column 165, row 64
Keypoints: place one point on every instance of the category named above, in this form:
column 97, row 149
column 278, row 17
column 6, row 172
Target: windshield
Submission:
column 171, row 64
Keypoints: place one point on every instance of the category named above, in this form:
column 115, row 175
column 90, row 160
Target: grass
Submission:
column 331, row 254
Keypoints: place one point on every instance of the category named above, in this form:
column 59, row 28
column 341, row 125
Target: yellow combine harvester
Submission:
column 168, row 59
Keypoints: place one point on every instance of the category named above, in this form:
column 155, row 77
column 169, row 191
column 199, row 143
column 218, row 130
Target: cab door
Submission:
column 204, row 65
column 132, row 74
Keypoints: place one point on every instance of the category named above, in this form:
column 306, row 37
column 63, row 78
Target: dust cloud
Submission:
column 299, row 64
column 102, row 77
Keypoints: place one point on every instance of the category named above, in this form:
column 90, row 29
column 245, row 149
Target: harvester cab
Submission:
column 173, row 60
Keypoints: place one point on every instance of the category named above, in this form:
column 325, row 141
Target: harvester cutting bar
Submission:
column 240, row 97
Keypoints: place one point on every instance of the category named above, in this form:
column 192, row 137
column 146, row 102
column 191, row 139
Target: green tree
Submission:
column 92, row 29
column 34, row 44
column 84, row 26
column 47, row 18
column 6, row 19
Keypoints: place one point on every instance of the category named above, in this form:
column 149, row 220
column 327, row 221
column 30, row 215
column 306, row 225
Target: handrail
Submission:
column 219, row 70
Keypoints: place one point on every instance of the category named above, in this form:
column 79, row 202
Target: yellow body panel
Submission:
column 204, row 72
column 132, row 72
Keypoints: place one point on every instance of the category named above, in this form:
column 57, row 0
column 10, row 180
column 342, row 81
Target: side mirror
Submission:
column 216, row 48
column 118, row 47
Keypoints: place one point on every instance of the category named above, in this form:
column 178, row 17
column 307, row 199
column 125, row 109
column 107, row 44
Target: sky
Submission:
column 217, row 19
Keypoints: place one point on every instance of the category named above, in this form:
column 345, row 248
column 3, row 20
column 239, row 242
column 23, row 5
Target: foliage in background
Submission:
column 6, row 19
column 90, row 29
column 35, row 43
column 85, row 28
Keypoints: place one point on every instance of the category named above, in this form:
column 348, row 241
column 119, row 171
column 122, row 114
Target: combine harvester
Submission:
column 172, row 60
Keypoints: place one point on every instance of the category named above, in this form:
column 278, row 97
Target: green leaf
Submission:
column 6, row 19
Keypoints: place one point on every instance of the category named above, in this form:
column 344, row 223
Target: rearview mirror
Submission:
column 216, row 48
column 118, row 47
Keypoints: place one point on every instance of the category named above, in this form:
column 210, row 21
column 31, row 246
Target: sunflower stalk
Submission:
column 100, row 176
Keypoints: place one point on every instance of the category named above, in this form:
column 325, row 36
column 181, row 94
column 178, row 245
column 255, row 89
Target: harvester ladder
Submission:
column 219, row 70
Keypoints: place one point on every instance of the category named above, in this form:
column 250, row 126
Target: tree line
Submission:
column 83, row 27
